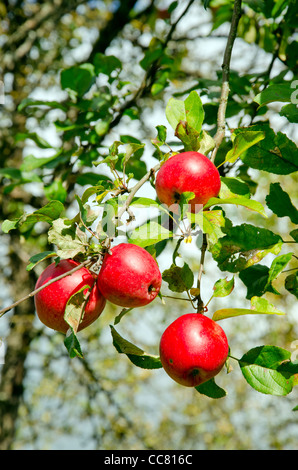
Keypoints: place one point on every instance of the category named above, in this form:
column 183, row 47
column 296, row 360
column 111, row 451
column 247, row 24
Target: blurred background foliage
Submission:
column 160, row 49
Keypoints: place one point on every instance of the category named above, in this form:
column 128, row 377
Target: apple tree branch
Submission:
column 221, row 123
column 225, row 89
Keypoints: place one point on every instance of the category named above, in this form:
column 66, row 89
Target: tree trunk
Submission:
column 17, row 345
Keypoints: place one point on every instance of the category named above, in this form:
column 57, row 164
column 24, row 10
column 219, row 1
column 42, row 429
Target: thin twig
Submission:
column 135, row 188
column 225, row 89
column 34, row 292
column 176, row 298
column 200, row 303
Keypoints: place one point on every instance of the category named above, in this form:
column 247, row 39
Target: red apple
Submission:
column 193, row 349
column 129, row 276
column 187, row 172
column 51, row 301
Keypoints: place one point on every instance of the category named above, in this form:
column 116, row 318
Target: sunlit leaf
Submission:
column 259, row 306
column 223, row 287
column 276, row 153
column 68, row 238
column 48, row 213
column 35, row 259
column 268, row 370
column 244, row 246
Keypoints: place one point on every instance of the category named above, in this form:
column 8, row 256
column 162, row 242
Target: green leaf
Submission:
column 161, row 82
column 223, row 287
column 232, row 187
column 294, row 234
column 48, row 213
column 75, row 307
column 277, row 266
column 187, row 135
column 136, row 355
column 268, row 370
column 184, row 200
column 123, row 312
column 258, row 279
column 234, row 191
column 42, row 143
column 78, row 78
column 273, row 93
column 291, row 284
column 191, row 111
column 241, row 142
column 205, row 143
column 35, row 259
column 86, row 214
column 250, row 204
column 102, row 127
column 162, row 133
column 11, row 173
column 9, row 225
column 211, row 389
column 56, row 191
column 276, row 153
column 130, row 150
column 145, row 202
column 89, row 178
column 262, row 305
column 31, row 162
column 179, row 279
column 206, row 3
column 244, row 246
column 31, row 102
column 259, row 306
column 106, row 64
column 212, row 222
column 149, row 234
column 136, row 167
column 153, row 53
column 280, row 203
column 69, row 239
column 290, row 111
column 72, row 345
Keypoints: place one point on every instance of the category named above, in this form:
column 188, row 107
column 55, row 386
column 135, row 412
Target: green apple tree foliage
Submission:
column 93, row 178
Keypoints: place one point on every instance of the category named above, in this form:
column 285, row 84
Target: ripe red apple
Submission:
column 187, row 172
column 51, row 301
column 129, row 276
column 193, row 349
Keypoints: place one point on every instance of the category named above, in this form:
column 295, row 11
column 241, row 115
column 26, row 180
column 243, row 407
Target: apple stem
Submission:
column 200, row 303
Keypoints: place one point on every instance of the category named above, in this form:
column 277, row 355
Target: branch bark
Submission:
column 221, row 123
column 225, row 89
column 21, row 41
column 120, row 18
